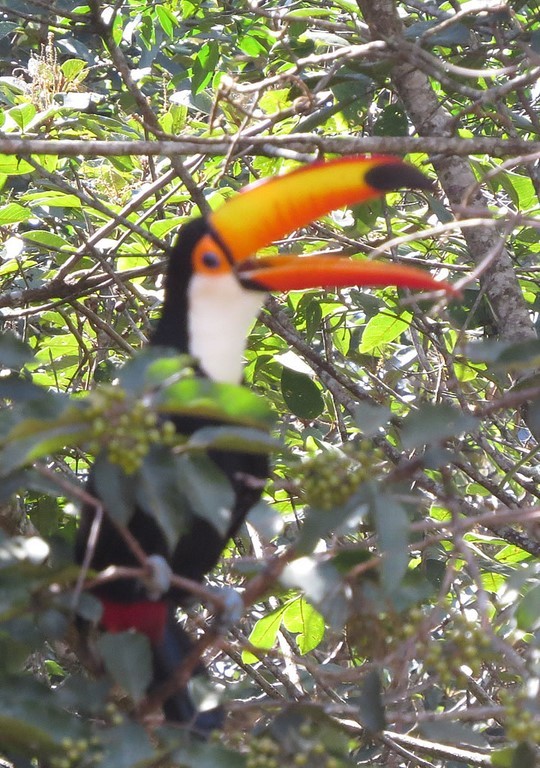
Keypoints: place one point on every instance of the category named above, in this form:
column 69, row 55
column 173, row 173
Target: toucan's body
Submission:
column 245, row 471
column 214, row 289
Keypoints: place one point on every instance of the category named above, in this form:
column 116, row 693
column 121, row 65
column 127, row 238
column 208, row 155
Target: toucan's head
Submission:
column 215, row 283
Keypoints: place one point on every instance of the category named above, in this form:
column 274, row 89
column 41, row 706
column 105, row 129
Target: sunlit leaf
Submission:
column 307, row 623
column 73, row 69
column 13, row 212
column 382, row 329
column 224, row 402
column 263, row 635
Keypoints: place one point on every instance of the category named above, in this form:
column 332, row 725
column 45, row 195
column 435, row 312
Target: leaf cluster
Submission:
column 411, row 411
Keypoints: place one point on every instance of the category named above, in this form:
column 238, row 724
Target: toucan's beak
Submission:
column 272, row 208
column 297, row 273
column 268, row 210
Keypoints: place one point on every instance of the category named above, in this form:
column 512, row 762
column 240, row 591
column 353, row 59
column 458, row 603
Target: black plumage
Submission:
column 200, row 546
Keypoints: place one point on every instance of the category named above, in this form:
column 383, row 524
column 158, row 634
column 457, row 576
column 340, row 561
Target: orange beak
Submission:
column 272, row 208
column 298, row 273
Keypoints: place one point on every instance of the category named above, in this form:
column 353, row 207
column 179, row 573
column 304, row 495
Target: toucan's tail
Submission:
column 168, row 655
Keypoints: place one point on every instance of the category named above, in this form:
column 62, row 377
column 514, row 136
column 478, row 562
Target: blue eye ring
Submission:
column 210, row 260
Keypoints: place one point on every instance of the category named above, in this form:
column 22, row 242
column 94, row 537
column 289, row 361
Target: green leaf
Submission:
column 23, row 114
column 126, row 746
column 207, row 489
column 128, row 659
column 160, row 492
column 266, row 520
column 251, row 46
column 13, row 213
column 301, row 618
column 287, row 729
column 343, row 518
column 32, row 718
column 392, row 525
column 33, row 439
column 115, row 489
column 313, row 318
column 151, row 369
column 321, row 584
column 12, row 165
column 163, row 227
column 174, row 488
column 525, row 756
column 522, row 756
column 311, row 13
column 166, row 19
column 503, row 758
column 6, row 28
column 263, row 635
column 24, row 737
column 195, row 754
column 49, row 239
column 528, row 610
column 38, row 399
column 434, row 423
column 301, row 394
column 243, row 439
column 215, row 400
column 72, row 68
column 382, row 329
column 392, row 122
column 505, row 354
column 14, row 353
column 52, row 198
column 370, row 418
column 204, row 66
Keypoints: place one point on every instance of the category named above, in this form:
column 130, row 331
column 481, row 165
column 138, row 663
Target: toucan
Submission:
column 215, row 285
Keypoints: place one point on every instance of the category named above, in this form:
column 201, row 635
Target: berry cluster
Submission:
column 522, row 720
column 330, row 477
column 371, row 634
column 265, row 752
column 465, row 644
column 125, row 428
column 85, row 752
column 77, row 752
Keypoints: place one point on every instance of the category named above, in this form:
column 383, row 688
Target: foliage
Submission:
column 408, row 600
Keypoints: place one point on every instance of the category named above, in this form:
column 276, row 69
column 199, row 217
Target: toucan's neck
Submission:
column 171, row 330
column 172, row 327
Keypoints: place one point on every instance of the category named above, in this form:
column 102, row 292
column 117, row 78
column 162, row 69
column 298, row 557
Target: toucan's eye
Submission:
column 210, row 260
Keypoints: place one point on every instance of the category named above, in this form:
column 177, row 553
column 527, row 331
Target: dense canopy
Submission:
column 390, row 572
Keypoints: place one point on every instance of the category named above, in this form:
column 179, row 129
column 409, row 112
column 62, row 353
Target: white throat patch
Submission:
column 221, row 313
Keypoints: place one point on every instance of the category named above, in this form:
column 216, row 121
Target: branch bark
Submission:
column 270, row 146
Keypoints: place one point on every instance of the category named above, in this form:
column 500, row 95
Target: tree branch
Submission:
column 431, row 118
column 269, row 146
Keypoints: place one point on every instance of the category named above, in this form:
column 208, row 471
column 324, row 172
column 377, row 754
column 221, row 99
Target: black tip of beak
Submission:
column 390, row 176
